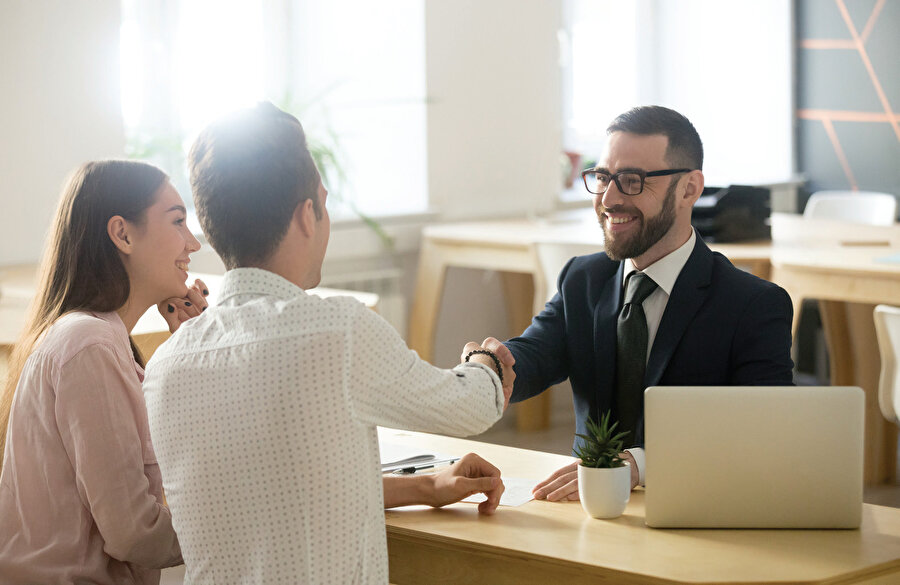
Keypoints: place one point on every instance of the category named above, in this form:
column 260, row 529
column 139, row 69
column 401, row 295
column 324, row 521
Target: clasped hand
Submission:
column 507, row 361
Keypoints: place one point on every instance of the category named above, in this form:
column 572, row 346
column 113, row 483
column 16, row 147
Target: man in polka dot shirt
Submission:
column 263, row 410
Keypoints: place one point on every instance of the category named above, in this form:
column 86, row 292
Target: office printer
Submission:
column 733, row 214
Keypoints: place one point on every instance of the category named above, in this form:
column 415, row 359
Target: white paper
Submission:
column 518, row 492
column 395, row 456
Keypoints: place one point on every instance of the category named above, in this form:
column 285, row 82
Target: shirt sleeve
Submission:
column 541, row 350
column 640, row 460
column 97, row 417
column 389, row 385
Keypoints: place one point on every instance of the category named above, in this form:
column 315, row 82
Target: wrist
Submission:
column 425, row 489
column 408, row 490
column 488, row 358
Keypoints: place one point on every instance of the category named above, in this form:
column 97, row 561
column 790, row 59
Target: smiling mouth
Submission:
column 618, row 220
column 181, row 266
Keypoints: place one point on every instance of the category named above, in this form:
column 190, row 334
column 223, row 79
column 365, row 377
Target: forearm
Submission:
column 423, row 397
column 536, row 369
column 409, row 490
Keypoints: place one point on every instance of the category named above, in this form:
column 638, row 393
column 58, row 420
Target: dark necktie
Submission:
column 631, row 353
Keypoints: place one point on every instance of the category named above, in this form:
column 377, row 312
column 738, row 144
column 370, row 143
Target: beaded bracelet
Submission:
column 491, row 355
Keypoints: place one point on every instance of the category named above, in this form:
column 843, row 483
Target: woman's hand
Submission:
column 178, row 310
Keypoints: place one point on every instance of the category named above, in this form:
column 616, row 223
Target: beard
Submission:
column 652, row 230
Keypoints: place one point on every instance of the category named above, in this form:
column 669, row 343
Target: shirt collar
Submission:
column 665, row 271
column 256, row 281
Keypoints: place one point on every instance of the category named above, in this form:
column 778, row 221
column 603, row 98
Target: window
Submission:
column 727, row 66
column 357, row 85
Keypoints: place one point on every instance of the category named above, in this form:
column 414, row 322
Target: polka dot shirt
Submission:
column 263, row 412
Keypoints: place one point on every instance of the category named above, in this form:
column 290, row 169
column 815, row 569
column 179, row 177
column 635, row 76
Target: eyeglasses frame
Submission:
column 615, row 178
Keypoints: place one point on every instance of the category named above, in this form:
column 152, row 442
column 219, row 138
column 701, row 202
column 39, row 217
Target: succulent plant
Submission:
column 602, row 445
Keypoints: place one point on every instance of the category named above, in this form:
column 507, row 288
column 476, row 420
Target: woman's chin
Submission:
column 176, row 292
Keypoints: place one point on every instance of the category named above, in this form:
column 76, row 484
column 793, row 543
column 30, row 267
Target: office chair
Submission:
column 856, row 206
column 553, row 255
column 865, row 207
column 887, row 329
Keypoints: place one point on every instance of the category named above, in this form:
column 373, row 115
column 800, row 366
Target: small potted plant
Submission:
column 604, row 479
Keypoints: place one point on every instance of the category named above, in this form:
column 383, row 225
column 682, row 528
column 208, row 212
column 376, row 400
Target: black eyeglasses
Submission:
column 629, row 182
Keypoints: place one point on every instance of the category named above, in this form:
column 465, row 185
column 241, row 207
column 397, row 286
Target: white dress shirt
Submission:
column 664, row 273
column 263, row 412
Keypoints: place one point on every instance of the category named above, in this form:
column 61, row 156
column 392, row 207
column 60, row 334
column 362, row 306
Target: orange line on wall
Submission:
column 847, row 20
column 844, row 116
column 882, row 97
column 827, row 44
column 832, row 135
column 871, row 23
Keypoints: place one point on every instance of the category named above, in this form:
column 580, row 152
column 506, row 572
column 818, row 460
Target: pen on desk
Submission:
column 424, row 466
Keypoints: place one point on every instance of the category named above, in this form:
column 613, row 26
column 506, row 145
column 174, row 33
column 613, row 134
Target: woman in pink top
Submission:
column 80, row 490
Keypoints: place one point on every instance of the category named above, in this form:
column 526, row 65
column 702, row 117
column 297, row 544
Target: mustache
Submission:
column 621, row 209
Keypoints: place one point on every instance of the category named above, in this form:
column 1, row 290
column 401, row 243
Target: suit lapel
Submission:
column 688, row 295
column 606, row 312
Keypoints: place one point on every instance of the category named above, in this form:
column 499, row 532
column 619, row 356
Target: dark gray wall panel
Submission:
column 835, row 79
column 820, row 19
column 873, row 152
column 817, row 158
column 859, row 11
column 883, row 48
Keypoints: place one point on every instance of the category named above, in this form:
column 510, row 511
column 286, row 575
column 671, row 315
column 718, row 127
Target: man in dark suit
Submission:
column 657, row 307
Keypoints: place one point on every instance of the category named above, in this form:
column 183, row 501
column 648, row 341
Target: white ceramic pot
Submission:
column 604, row 492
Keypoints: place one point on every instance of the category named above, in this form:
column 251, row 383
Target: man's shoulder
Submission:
column 596, row 266
column 724, row 272
column 257, row 320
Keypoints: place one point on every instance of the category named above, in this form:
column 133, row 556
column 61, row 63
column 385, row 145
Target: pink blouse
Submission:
column 80, row 489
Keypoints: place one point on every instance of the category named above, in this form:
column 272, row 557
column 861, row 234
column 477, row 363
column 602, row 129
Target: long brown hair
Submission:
column 81, row 268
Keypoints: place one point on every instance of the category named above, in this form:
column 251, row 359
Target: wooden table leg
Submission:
column 427, row 300
column 855, row 361
column 534, row 413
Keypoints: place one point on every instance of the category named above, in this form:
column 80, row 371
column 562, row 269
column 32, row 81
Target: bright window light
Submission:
column 703, row 58
column 357, row 85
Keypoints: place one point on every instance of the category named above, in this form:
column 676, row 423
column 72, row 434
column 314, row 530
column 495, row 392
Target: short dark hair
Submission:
column 249, row 171
column 685, row 148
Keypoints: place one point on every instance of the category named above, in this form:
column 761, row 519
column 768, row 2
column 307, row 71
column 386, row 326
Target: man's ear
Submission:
column 693, row 187
column 118, row 230
column 305, row 216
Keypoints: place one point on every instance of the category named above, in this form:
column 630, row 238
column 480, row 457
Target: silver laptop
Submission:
column 754, row 457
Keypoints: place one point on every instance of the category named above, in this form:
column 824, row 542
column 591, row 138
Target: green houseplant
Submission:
column 604, row 478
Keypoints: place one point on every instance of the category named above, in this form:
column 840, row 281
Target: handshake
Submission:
column 496, row 356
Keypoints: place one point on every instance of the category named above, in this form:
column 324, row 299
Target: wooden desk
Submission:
column 18, row 284
column 543, row 542
column 849, row 281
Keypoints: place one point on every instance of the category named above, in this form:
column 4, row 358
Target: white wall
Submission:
column 494, row 128
column 494, row 137
column 59, row 107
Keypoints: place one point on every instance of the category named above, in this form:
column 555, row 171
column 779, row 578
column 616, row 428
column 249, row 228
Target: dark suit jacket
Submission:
column 721, row 327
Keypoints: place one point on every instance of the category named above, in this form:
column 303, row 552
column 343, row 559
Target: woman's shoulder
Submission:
column 78, row 330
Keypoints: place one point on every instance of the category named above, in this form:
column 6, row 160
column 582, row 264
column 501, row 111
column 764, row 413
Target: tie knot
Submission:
column 638, row 287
